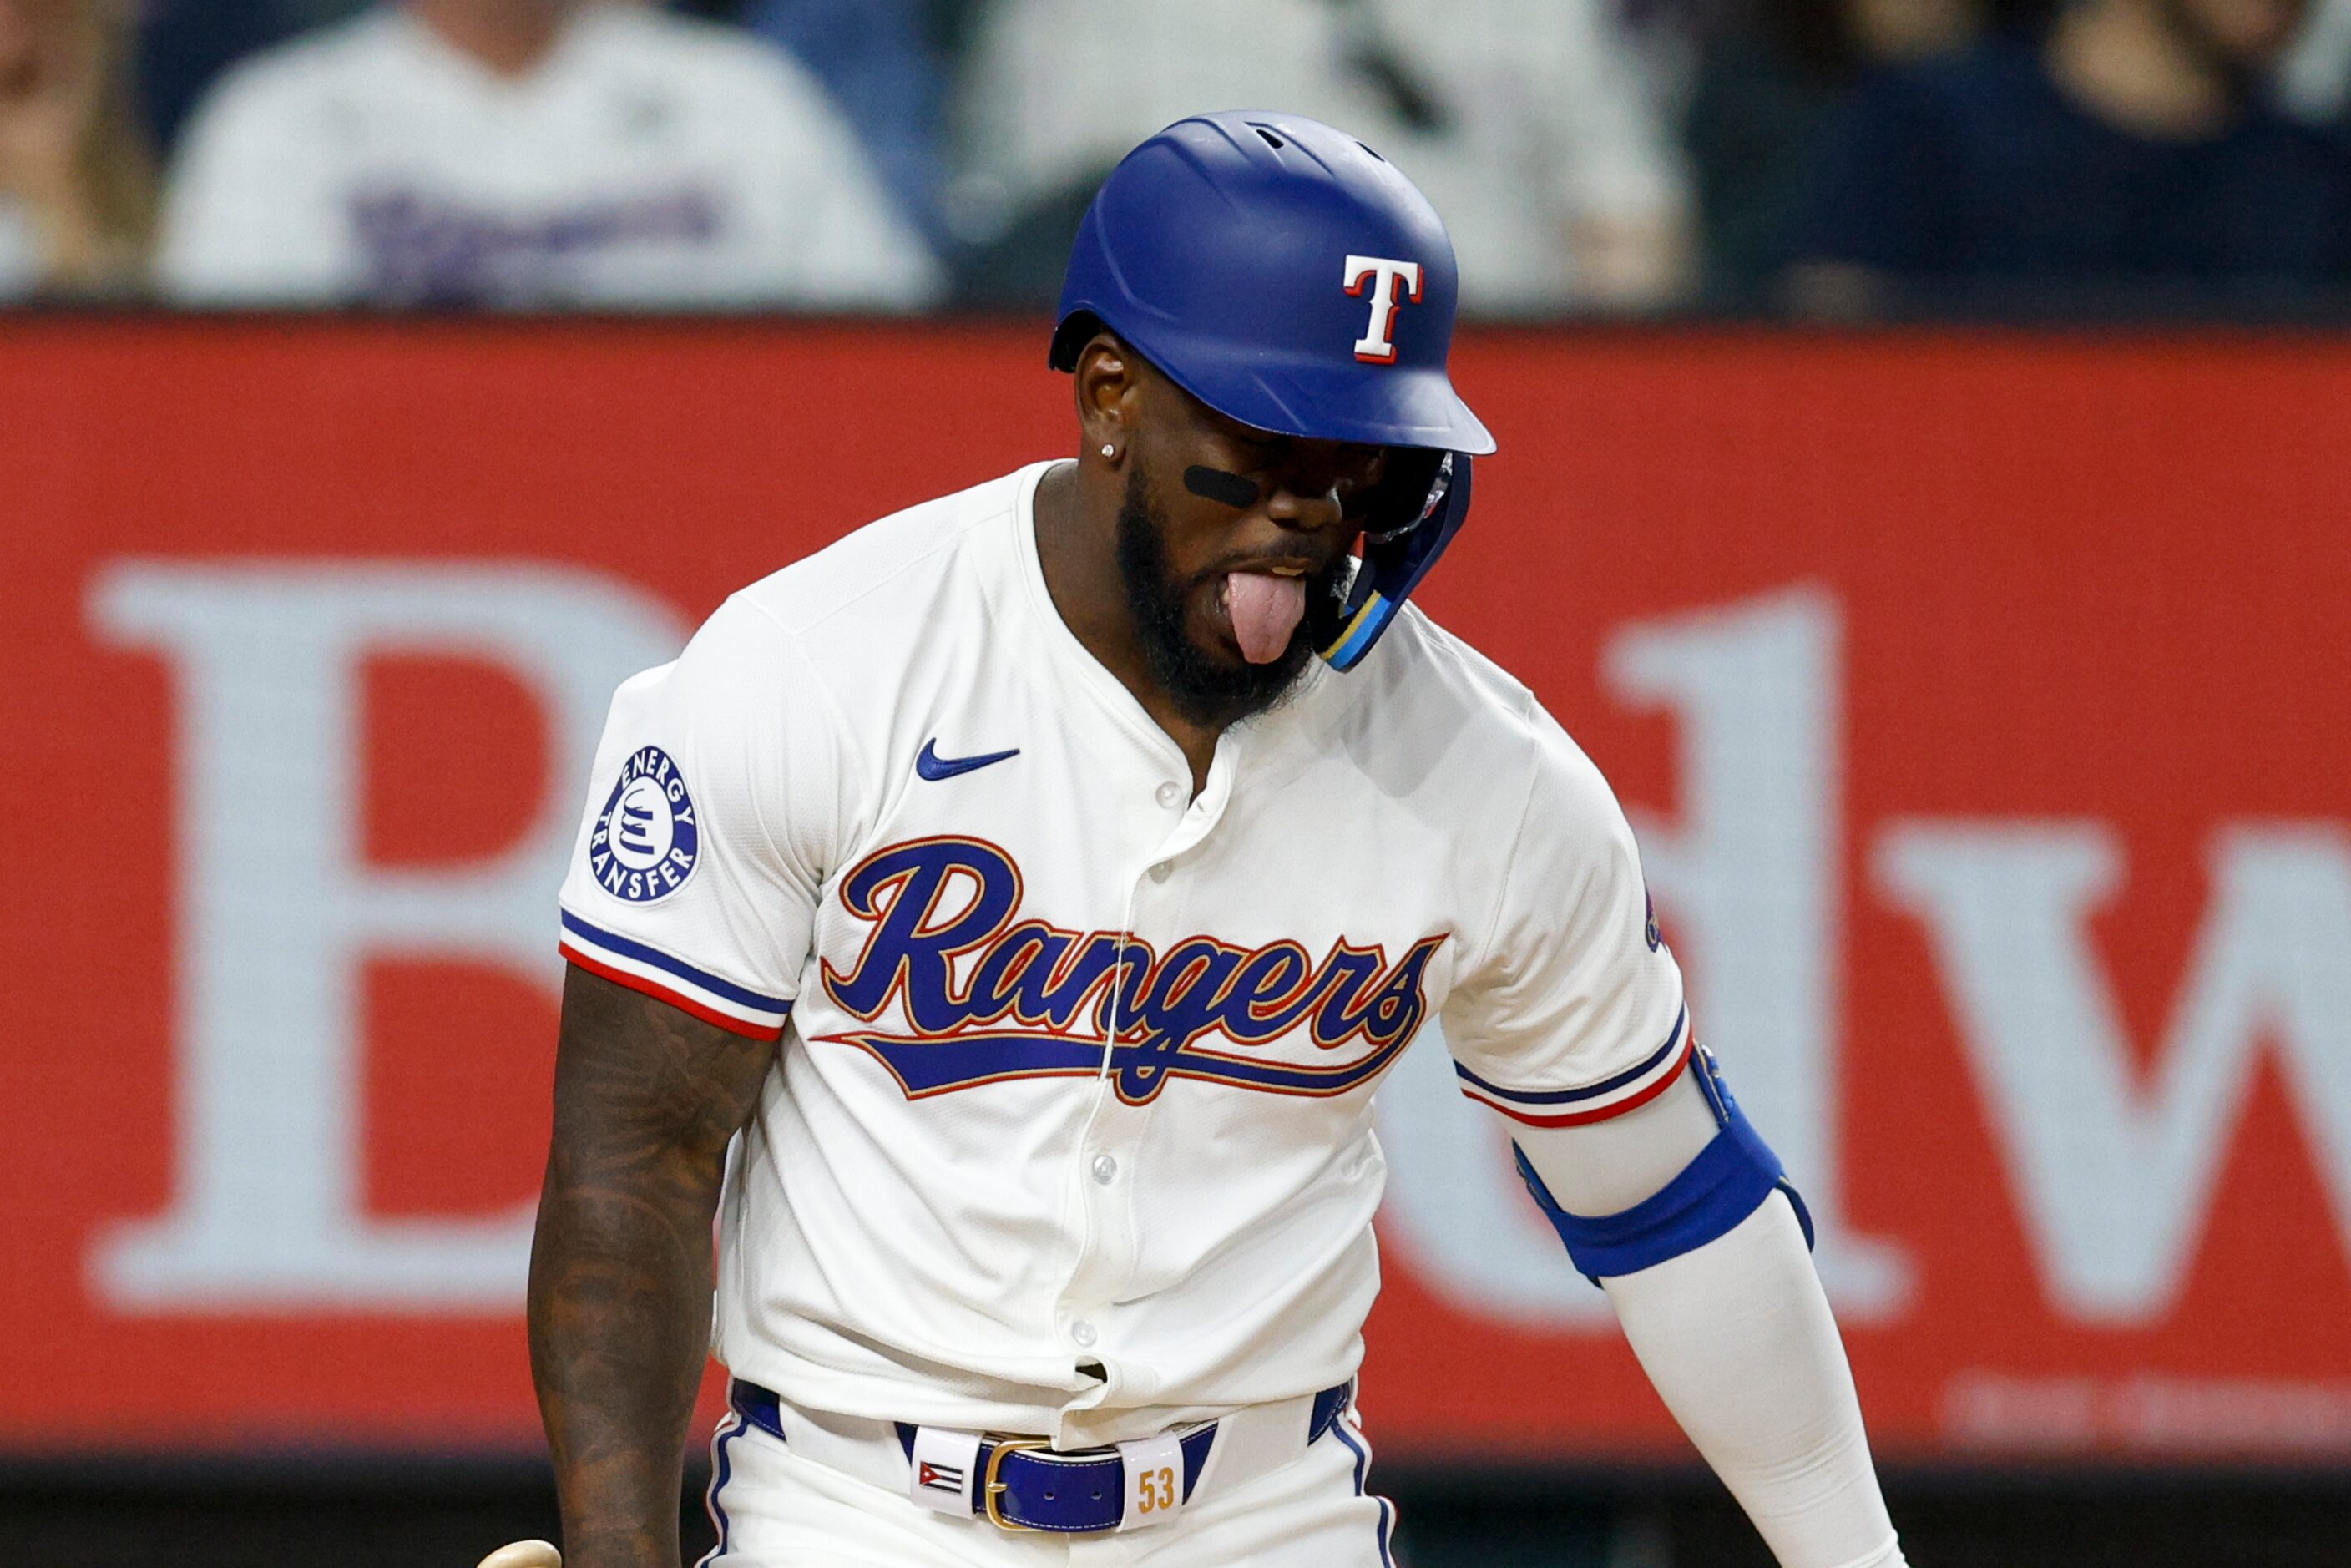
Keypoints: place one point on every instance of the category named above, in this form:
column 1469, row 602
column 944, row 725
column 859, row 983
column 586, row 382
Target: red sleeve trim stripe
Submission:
column 656, row 972
column 1634, row 1101
column 677, row 1000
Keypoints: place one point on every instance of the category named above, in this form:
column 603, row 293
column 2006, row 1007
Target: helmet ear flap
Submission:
column 1414, row 512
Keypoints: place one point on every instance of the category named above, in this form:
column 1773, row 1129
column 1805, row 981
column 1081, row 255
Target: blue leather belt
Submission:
column 1044, row 1488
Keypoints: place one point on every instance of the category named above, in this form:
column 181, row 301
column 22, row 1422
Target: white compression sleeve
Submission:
column 1738, row 1339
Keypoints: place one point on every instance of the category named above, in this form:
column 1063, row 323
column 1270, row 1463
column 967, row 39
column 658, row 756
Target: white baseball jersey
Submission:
column 22, row 261
column 1070, row 1131
column 648, row 159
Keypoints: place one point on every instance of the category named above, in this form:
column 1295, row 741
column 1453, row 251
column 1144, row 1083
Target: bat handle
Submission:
column 525, row 1555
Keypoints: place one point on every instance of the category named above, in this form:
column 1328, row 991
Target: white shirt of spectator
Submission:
column 1546, row 112
column 648, row 161
column 21, row 252
column 2313, row 80
column 887, row 807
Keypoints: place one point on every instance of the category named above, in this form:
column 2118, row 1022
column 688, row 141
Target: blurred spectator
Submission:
column 1768, row 79
column 2314, row 78
column 1529, row 123
column 876, row 57
column 184, row 45
column 531, row 152
column 76, row 192
column 2128, row 160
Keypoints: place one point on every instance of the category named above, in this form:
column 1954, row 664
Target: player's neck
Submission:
column 507, row 37
column 1077, row 545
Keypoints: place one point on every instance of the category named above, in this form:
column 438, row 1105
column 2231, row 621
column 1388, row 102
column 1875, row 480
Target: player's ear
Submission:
column 1110, row 388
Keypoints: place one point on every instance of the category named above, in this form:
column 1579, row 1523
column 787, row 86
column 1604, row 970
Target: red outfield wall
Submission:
column 1984, row 704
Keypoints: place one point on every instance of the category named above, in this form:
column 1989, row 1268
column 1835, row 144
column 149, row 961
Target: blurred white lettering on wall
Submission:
column 2114, row 1179
column 276, row 910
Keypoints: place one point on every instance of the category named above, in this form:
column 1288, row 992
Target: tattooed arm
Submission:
column 621, row 1271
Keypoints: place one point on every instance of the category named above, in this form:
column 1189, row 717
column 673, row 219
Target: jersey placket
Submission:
column 1108, row 1171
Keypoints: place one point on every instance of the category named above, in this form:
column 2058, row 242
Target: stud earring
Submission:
column 1108, row 450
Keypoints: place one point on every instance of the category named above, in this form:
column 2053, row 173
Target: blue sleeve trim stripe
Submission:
column 1591, row 1092
column 726, row 990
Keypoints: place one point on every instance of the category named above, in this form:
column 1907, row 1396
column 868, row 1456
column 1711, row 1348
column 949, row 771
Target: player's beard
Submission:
column 1206, row 686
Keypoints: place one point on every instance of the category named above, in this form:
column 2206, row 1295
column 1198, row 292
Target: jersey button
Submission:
column 1083, row 1332
column 1105, row 1169
column 1170, row 795
column 1159, row 872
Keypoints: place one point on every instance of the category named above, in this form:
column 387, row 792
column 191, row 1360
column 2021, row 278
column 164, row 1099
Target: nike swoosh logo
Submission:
column 934, row 766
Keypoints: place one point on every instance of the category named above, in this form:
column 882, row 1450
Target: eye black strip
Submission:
column 1215, row 485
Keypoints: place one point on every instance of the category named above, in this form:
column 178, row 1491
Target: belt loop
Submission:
column 1158, row 1474
column 943, row 1469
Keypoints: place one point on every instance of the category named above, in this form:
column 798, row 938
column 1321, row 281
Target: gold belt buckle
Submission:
column 991, row 1488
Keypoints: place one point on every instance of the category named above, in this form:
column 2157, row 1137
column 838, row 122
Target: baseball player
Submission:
column 1001, row 920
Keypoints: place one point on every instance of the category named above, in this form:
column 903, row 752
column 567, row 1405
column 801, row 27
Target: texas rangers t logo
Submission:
column 1378, row 346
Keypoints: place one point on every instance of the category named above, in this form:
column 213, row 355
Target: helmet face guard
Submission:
column 1399, row 545
column 1292, row 278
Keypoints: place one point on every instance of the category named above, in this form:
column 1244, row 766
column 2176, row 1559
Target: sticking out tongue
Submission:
column 1265, row 610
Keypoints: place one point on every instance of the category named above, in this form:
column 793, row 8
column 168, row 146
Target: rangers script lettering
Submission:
column 1046, row 980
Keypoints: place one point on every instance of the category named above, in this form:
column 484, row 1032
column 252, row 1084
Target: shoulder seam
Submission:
column 954, row 538
column 823, row 690
column 1466, row 657
column 1526, row 806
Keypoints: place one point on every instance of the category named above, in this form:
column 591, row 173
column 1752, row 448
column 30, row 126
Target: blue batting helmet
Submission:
column 1292, row 278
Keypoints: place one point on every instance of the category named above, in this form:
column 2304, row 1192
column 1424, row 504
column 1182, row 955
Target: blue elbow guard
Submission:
column 1727, row 1182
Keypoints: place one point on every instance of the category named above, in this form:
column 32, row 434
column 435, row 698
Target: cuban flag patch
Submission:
column 942, row 1470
